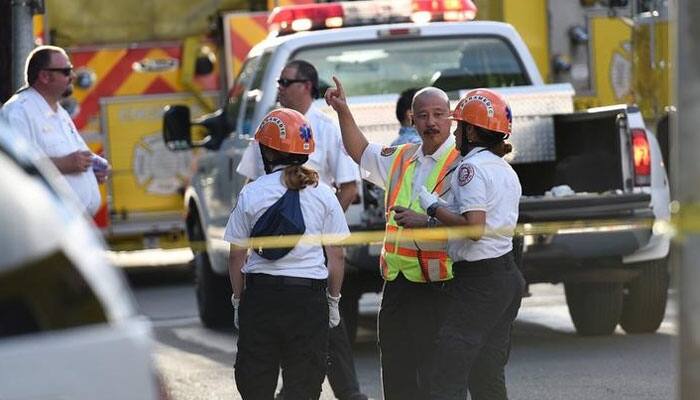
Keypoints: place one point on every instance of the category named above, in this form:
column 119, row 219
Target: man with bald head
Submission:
column 414, row 271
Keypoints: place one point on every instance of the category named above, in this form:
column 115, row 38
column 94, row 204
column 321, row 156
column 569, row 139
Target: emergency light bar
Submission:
column 306, row 17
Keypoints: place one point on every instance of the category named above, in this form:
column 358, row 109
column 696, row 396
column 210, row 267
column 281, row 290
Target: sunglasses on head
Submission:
column 284, row 82
column 65, row 71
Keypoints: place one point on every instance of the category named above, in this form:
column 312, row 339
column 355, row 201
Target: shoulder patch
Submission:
column 465, row 174
column 387, row 151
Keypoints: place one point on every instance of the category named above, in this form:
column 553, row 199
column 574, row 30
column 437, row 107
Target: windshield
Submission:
column 391, row 66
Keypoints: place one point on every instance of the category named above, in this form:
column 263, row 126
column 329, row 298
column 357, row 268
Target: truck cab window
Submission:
column 254, row 94
column 391, row 66
column 238, row 91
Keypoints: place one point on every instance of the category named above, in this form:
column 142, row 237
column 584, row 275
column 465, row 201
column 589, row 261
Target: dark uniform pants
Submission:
column 473, row 344
column 341, row 368
column 409, row 318
column 282, row 326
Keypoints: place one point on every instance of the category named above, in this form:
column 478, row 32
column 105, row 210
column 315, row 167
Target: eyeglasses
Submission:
column 65, row 71
column 284, row 82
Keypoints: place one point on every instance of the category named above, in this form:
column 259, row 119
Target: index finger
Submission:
column 338, row 85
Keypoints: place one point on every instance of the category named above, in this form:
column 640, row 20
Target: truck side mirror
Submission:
column 176, row 128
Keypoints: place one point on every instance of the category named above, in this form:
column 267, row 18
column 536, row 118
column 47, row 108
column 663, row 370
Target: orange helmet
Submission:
column 486, row 109
column 286, row 130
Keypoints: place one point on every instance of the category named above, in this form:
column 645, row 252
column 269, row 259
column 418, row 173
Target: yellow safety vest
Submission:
column 418, row 261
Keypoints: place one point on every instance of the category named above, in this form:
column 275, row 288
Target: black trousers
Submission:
column 282, row 326
column 341, row 368
column 473, row 344
column 409, row 319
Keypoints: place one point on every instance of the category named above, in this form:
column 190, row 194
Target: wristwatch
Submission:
column 432, row 222
column 432, row 209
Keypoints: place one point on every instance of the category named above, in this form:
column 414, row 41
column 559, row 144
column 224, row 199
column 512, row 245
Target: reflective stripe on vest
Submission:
column 419, row 261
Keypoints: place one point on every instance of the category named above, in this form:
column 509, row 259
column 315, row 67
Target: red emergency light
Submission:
column 305, row 17
column 443, row 10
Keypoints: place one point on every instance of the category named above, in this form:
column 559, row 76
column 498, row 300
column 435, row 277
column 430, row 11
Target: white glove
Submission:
column 333, row 311
column 426, row 198
column 235, row 302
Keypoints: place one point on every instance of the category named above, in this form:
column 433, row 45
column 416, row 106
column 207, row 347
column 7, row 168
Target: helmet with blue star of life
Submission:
column 287, row 131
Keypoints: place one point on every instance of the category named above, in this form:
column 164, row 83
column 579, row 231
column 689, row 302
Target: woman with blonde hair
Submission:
column 286, row 297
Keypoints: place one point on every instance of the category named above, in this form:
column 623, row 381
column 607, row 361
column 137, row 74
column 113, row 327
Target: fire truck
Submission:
column 130, row 60
column 611, row 51
column 594, row 183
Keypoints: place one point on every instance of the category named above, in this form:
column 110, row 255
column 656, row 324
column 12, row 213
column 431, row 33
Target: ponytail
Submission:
column 297, row 177
column 494, row 141
column 501, row 149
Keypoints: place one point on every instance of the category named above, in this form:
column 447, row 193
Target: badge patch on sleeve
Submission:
column 387, row 151
column 466, row 173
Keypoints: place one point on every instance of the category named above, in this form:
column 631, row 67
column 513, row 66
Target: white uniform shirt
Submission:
column 378, row 164
column 322, row 216
column 53, row 134
column 483, row 181
column 329, row 158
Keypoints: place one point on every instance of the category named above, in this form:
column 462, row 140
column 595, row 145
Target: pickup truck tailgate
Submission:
column 585, row 207
column 592, row 226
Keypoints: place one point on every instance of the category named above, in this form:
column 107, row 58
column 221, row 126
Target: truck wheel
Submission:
column 645, row 299
column 213, row 294
column 595, row 307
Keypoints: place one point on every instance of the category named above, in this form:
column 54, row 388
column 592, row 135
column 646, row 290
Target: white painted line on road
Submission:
column 220, row 341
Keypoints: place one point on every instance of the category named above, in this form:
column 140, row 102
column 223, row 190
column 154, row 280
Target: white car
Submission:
column 68, row 323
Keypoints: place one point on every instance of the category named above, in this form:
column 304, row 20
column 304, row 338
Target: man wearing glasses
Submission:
column 35, row 112
column 297, row 88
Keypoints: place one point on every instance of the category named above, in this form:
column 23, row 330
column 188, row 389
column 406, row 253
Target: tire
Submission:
column 644, row 304
column 595, row 307
column 213, row 294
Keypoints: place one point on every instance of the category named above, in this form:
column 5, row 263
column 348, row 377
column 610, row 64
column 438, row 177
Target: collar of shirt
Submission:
column 474, row 151
column 41, row 102
column 447, row 145
column 312, row 112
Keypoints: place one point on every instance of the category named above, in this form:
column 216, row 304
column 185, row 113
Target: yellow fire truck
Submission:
column 611, row 51
column 132, row 58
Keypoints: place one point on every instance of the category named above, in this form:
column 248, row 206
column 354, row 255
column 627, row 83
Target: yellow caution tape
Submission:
column 685, row 220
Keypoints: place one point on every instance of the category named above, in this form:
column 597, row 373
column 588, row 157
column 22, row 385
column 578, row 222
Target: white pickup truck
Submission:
column 596, row 178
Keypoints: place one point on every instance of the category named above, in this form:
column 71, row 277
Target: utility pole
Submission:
column 22, row 36
column 688, row 193
column 5, row 50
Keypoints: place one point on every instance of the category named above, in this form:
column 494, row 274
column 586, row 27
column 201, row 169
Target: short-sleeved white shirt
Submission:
column 53, row 134
column 329, row 159
column 483, row 181
column 377, row 164
column 322, row 216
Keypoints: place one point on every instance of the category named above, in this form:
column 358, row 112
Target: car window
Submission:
column 238, row 91
column 391, row 66
column 46, row 294
column 254, row 95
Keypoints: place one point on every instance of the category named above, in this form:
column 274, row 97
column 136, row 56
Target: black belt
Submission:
column 273, row 280
column 484, row 267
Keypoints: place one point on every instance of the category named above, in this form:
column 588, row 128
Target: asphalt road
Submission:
column 548, row 360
